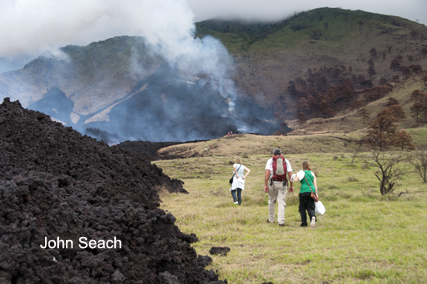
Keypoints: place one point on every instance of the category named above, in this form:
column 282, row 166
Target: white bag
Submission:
column 319, row 208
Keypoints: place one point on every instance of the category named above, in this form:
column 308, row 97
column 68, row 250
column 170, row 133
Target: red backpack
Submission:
column 279, row 169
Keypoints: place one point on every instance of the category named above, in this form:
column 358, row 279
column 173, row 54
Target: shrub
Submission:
column 352, row 179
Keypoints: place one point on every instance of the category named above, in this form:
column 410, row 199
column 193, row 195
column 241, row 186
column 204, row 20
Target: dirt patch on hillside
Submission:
column 151, row 149
column 58, row 185
column 180, row 151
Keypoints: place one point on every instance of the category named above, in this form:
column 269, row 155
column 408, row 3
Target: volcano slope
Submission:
column 55, row 183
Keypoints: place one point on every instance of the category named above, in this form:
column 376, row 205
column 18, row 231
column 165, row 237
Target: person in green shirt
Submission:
column 308, row 184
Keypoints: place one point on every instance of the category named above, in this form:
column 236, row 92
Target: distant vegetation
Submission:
column 249, row 32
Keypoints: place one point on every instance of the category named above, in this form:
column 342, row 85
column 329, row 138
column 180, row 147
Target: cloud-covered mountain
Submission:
column 126, row 87
column 227, row 76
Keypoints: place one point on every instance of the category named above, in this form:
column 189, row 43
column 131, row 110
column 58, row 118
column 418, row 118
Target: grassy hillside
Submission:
column 249, row 144
column 114, row 57
column 269, row 55
column 363, row 237
column 342, row 34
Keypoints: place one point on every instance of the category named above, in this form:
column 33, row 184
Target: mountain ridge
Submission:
column 343, row 38
column 270, row 60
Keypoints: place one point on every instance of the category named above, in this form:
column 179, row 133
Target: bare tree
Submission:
column 416, row 96
column 364, row 114
column 301, row 119
column 388, row 169
column 395, row 64
column 373, row 52
column 329, row 112
column 382, row 129
column 357, row 104
column 406, row 71
column 391, row 102
column 419, row 108
column 371, row 70
column 360, row 26
column 360, row 143
column 403, row 140
column 397, row 111
column 302, row 105
column 417, row 69
column 418, row 159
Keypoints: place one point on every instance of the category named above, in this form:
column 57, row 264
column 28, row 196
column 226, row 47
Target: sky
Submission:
column 29, row 28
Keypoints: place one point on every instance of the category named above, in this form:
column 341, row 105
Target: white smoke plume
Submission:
column 34, row 26
column 42, row 27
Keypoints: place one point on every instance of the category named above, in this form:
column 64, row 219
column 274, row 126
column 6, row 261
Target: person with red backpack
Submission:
column 278, row 172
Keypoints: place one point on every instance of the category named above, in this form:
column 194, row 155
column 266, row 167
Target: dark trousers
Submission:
column 306, row 203
column 239, row 195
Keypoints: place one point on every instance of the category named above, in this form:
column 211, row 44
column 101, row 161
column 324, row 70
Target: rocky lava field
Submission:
column 57, row 184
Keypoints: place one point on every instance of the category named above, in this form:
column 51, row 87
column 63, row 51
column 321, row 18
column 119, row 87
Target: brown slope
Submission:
column 268, row 56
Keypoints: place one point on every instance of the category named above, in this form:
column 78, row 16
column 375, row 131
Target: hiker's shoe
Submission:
column 269, row 221
column 236, row 202
column 281, row 225
column 313, row 222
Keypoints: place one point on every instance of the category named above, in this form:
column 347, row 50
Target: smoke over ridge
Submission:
column 44, row 25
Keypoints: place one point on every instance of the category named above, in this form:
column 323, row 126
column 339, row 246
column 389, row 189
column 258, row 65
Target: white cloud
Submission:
column 42, row 26
column 30, row 26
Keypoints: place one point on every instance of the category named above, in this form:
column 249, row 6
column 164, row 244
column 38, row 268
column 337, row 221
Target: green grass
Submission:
column 338, row 27
column 363, row 237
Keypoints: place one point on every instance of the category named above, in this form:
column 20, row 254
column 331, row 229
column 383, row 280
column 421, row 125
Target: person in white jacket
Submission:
column 239, row 178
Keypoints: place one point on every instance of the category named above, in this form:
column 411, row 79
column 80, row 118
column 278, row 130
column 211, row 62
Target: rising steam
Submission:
column 168, row 29
column 166, row 24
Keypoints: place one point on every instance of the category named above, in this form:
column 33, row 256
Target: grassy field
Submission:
column 363, row 237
